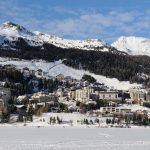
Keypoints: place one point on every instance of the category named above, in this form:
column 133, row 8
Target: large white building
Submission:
column 138, row 95
column 5, row 95
column 43, row 98
column 109, row 95
column 115, row 110
column 83, row 95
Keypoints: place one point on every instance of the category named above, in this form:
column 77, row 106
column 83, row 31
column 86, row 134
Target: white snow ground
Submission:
column 68, row 119
column 48, row 138
column 55, row 68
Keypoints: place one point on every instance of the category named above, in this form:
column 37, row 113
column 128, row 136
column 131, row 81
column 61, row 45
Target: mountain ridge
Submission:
column 10, row 32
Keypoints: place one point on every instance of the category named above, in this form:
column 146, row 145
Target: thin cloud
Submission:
column 78, row 23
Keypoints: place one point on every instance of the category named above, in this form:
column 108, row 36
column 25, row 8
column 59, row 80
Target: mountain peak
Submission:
column 10, row 24
column 133, row 45
column 10, row 33
column 15, row 27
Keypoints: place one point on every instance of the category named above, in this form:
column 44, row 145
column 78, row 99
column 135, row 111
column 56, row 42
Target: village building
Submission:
column 83, row 95
column 60, row 77
column 60, row 92
column 109, row 95
column 26, row 72
column 39, row 72
column 71, row 94
column 23, row 99
column 5, row 95
column 32, row 72
column 138, row 95
column 68, row 78
column 115, row 110
column 1, row 104
column 147, row 99
column 42, row 98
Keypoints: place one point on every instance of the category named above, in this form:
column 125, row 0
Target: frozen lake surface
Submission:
column 33, row 138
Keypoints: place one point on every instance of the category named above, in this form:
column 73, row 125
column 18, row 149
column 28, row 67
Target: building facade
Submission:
column 83, row 95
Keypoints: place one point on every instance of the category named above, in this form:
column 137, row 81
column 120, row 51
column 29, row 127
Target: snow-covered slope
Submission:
column 57, row 67
column 10, row 32
column 91, row 44
column 133, row 45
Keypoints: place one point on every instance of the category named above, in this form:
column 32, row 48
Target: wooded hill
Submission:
column 113, row 64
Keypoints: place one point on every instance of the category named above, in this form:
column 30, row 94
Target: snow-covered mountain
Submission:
column 10, row 33
column 133, row 45
column 90, row 44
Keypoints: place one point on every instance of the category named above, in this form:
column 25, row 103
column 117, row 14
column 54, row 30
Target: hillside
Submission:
column 94, row 56
column 57, row 67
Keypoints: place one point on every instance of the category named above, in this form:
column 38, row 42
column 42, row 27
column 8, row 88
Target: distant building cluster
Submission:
column 74, row 95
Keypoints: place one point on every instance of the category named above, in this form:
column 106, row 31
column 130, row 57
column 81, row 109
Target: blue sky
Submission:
column 80, row 19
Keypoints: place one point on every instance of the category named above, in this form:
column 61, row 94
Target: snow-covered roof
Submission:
column 20, row 98
column 19, row 106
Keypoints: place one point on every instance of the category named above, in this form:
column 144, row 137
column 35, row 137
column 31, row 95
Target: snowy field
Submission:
column 33, row 138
